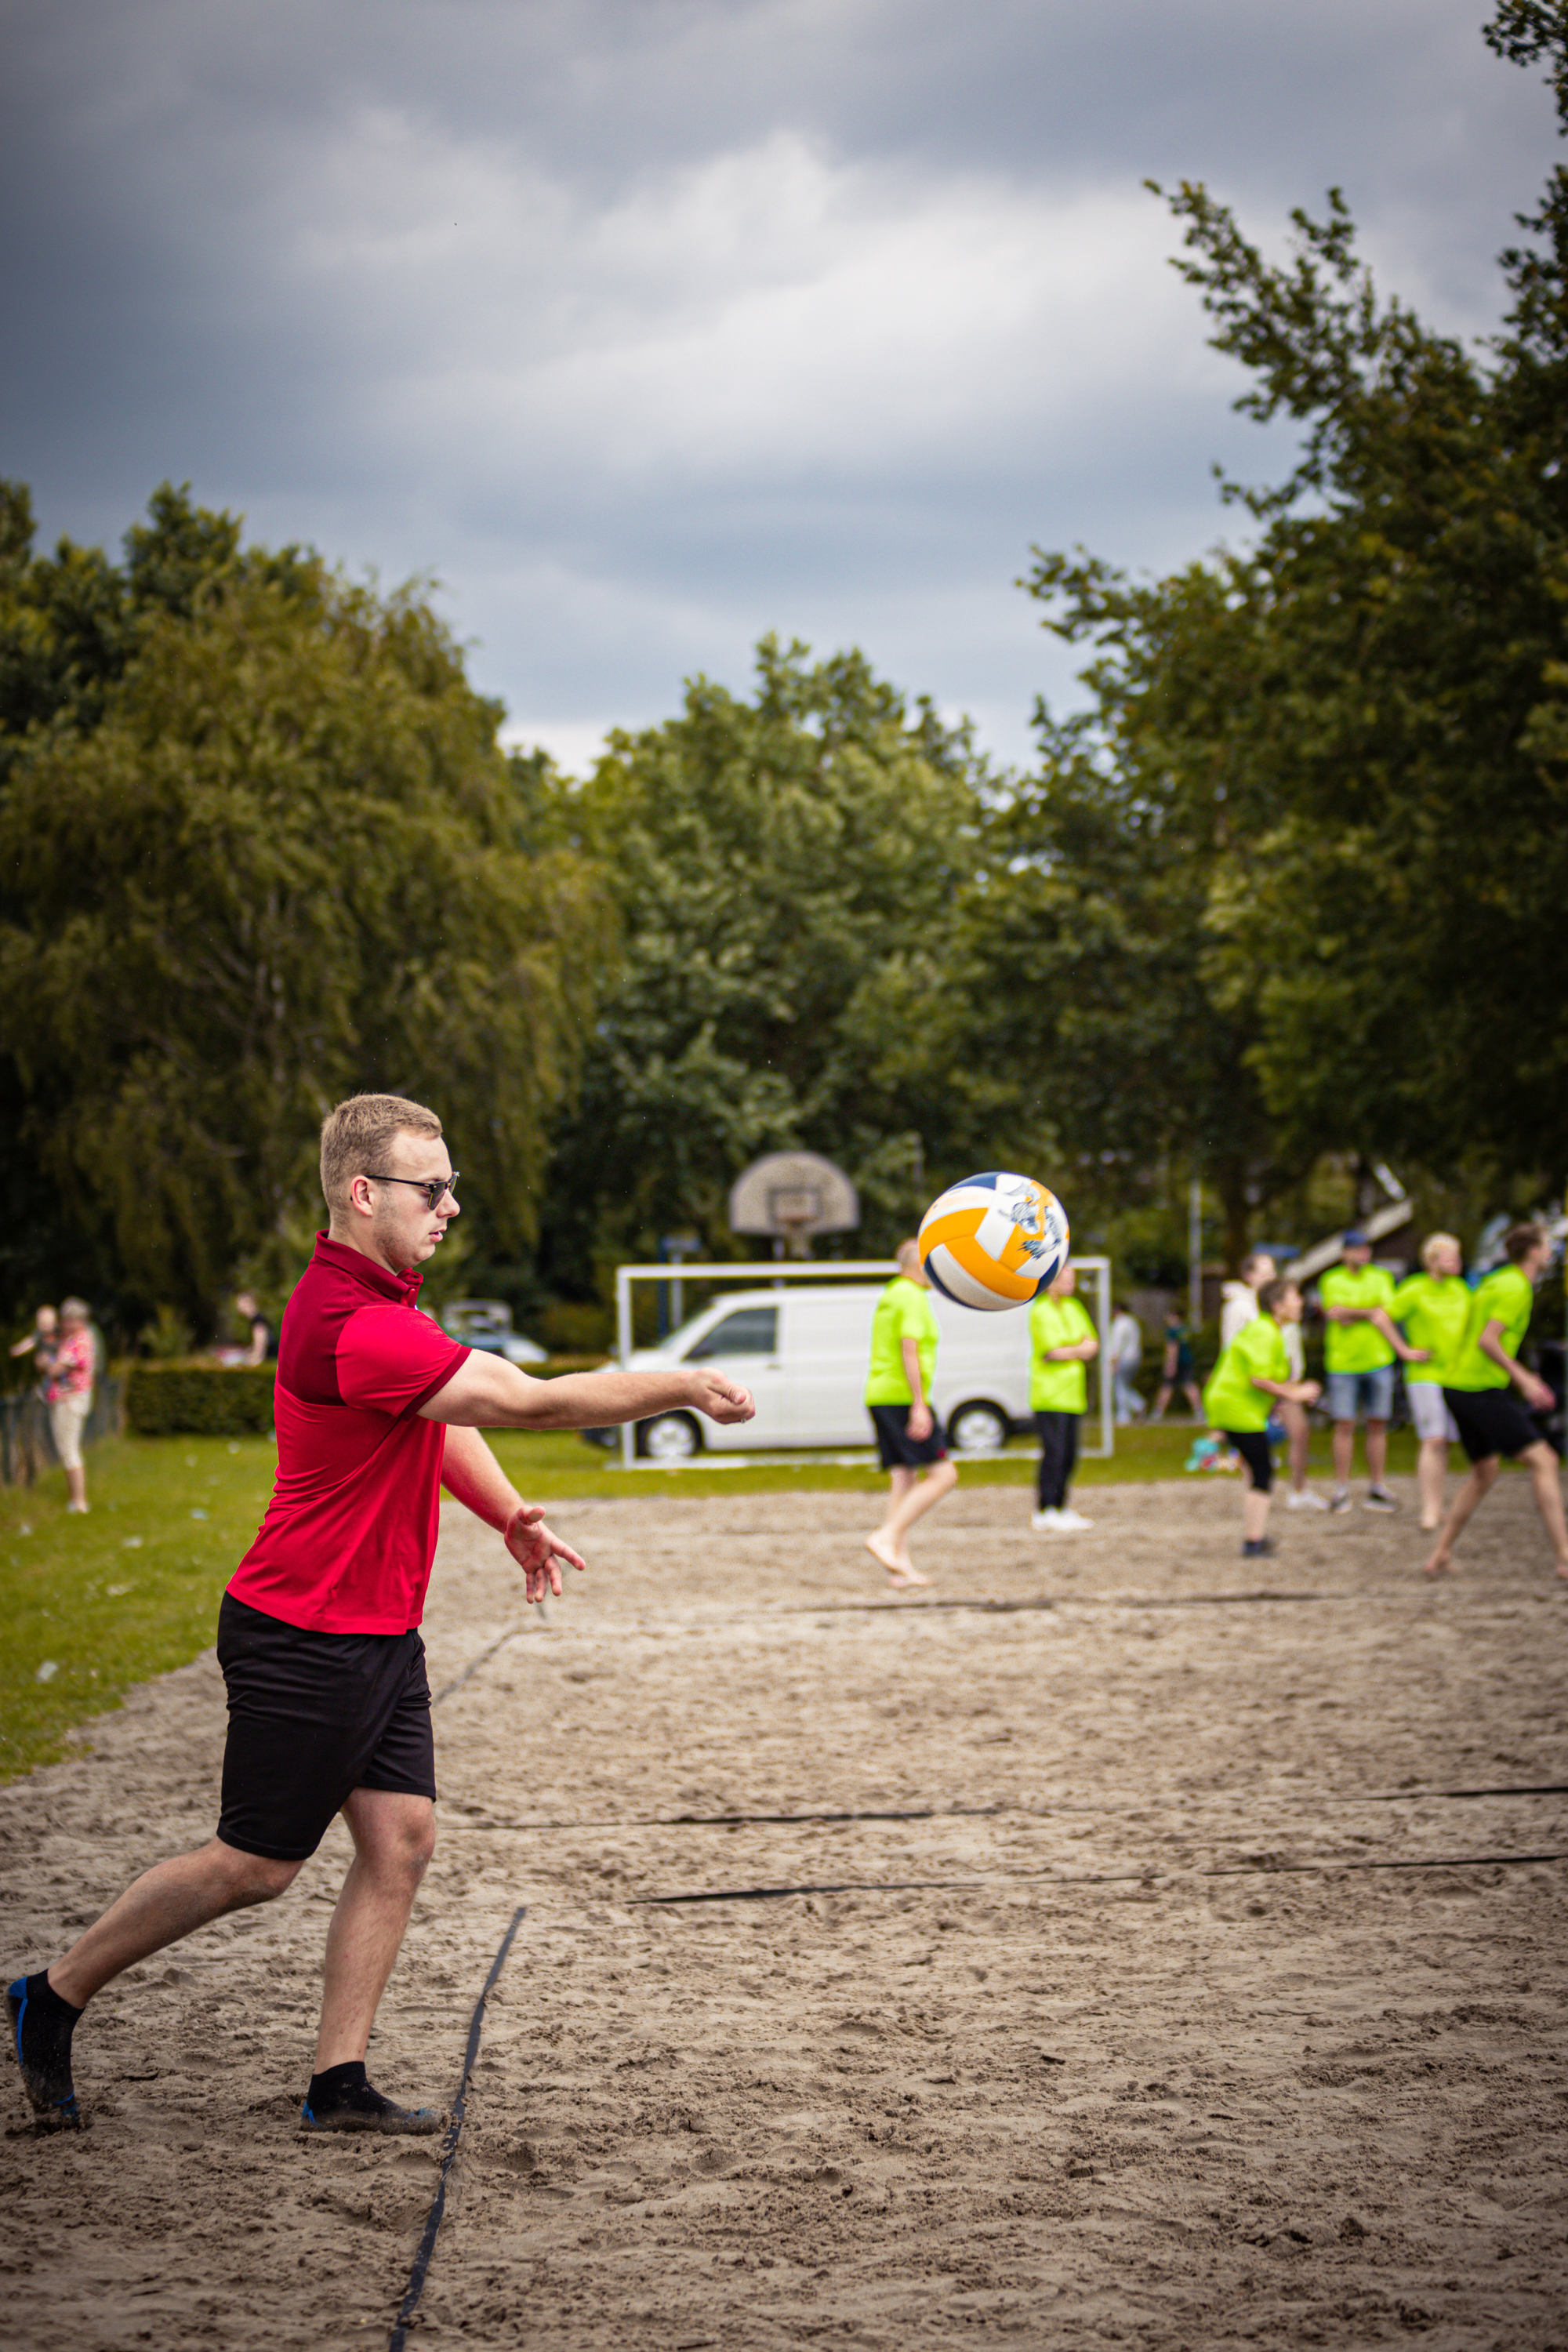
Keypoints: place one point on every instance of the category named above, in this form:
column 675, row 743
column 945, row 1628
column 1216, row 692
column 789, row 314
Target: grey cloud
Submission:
column 649, row 324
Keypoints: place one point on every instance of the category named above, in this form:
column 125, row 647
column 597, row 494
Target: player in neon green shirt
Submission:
column 1430, row 1308
column 904, row 1336
column 1062, row 1346
column 1253, row 1370
column 1358, row 1353
column 1491, row 1396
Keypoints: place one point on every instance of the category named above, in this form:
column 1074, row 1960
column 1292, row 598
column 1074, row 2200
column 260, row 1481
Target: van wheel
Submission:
column 670, row 1437
column 978, row 1428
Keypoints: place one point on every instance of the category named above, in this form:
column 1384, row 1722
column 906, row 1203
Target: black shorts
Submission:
column 899, row 1450
column 1252, row 1445
column 1491, row 1422
column 311, row 1717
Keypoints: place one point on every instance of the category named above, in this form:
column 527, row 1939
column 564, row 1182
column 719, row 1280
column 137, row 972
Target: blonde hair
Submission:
column 75, row 1310
column 356, row 1134
column 1435, row 1242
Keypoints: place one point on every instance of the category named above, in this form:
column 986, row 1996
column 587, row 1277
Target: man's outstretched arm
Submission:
column 472, row 1475
column 486, row 1392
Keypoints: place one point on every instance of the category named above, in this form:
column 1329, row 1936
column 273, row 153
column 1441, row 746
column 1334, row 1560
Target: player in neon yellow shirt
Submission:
column 1253, row 1370
column 904, row 1336
column 1491, row 1396
column 1358, row 1354
column 1431, row 1308
column 1062, row 1346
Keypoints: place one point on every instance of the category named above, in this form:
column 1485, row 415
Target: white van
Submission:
column 803, row 1353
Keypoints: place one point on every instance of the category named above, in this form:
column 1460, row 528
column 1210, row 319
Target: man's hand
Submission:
column 1306, row 1391
column 537, row 1552
column 723, row 1401
column 1538, row 1395
column 918, row 1423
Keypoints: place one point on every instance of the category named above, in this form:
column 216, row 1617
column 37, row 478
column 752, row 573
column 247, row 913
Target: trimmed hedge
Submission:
column 214, row 1400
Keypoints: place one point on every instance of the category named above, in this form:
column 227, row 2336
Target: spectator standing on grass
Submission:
column 1126, row 1355
column 261, row 1340
column 904, row 1338
column 1491, row 1396
column 1431, row 1307
column 40, row 1343
column 1178, row 1371
column 1254, row 1372
column 69, row 1394
column 1063, row 1345
column 1359, row 1354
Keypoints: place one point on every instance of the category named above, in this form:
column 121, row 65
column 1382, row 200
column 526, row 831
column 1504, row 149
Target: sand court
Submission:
column 1146, row 1983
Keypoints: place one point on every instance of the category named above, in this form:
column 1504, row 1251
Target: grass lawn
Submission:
column 89, row 1606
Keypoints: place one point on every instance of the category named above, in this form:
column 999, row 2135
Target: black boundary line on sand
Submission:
column 973, row 1812
column 416, row 2276
column 1092, row 1878
column 888, row 1606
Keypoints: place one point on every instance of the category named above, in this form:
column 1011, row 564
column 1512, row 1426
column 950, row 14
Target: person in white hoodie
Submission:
column 1238, row 1308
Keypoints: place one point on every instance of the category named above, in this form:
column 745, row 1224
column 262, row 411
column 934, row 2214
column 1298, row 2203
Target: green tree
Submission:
column 264, row 854
column 1085, row 949
column 784, row 871
column 1350, row 738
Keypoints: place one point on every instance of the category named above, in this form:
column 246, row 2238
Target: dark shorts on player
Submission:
column 899, row 1450
column 311, row 1717
column 1252, row 1445
column 1491, row 1422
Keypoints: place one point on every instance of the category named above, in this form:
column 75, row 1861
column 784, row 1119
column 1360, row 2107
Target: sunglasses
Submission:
column 434, row 1187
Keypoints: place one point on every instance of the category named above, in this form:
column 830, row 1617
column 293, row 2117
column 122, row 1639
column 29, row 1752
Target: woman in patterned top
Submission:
column 69, row 1396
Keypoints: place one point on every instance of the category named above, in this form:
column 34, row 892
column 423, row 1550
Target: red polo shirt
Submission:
column 350, row 1533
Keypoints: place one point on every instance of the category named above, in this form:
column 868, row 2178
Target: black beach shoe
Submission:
column 41, row 2026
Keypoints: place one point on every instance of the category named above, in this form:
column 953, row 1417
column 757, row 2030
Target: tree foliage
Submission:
column 784, row 871
column 1348, row 738
column 260, row 850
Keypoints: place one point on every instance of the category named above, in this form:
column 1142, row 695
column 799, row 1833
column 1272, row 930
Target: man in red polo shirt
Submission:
column 318, row 1634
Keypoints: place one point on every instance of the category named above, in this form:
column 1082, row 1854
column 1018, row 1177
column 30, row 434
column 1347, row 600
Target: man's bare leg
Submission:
column 171, row 1900
column 1254, row 1511
column 1544, row 1470
column 1482, row 1478
column 395, row 1836
column 165, row 1902
column 1344, row 1451
column 1431, row 1470
column 923, row 1493
column 1376, row 1452
column 882, row 1543
column 912, row 1496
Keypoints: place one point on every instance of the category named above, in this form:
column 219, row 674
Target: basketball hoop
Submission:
column 792, row 1195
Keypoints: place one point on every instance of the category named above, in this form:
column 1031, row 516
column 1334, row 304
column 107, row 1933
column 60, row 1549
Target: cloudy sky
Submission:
column 650, row 325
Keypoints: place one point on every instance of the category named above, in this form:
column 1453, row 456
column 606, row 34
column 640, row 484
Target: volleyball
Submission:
column 993, row 1241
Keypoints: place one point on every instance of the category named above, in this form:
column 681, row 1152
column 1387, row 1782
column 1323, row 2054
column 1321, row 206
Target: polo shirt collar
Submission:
column 402, row 1289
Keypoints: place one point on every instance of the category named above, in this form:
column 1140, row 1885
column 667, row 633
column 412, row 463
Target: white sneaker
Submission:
column 75, row 1507
column 1304, row 1501
column 1046, row 1523
column 1072, row 1520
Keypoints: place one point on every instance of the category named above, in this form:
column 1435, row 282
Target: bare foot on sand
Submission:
column 1440, row 1564
column 899, row 1567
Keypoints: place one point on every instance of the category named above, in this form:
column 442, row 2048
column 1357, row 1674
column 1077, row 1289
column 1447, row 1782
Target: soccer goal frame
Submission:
column 779, row 1274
